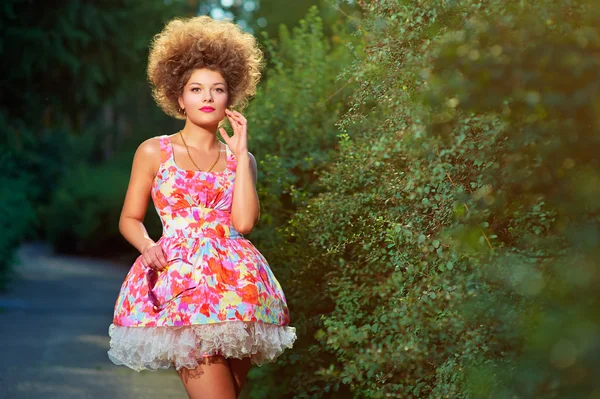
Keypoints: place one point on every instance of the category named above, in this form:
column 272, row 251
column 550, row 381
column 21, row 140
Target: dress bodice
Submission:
column 193, row 203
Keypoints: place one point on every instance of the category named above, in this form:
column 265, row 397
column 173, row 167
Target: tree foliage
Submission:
column 293, row 118
column 16, row 213
column 61, row 63
column 454, row 249
column 66, row 68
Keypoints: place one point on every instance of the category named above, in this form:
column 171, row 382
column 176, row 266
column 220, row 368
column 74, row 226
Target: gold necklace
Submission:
column 192, row 159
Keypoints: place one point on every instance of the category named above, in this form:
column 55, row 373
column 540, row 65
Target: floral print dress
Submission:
column 217, row 295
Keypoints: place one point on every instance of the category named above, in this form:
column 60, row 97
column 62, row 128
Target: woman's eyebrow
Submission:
column 214, row 84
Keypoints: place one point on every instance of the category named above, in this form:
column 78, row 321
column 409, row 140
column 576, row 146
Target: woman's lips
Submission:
column 207, row 109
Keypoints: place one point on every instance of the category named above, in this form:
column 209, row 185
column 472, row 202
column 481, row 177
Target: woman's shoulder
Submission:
column 153, row 150
column 153, row 145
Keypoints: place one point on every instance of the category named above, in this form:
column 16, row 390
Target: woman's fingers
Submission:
column 148, row 261
column 155, row 264
column 159, row 258
column 242, row 117
column 237, row 117
column 235, row 124
column 154, row 258
column 162, row 258
column 225, row 136
column 231, row 119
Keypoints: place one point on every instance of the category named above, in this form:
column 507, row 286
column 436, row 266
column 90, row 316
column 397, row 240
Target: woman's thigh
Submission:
column 212, row 379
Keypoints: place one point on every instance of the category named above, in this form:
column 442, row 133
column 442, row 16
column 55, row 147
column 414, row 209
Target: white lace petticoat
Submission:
column 153, row 348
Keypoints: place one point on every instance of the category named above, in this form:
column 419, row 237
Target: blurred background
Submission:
column 429, row 177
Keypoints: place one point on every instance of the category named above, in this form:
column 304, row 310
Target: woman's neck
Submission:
column 203, row 138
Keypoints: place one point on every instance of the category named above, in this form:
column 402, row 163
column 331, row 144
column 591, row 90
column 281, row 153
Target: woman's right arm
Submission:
column 145, row 166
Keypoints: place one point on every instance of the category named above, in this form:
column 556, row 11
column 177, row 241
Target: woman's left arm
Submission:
column 245, row 208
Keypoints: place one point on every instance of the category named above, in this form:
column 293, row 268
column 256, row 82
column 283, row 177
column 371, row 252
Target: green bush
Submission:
column 454, row 249
column 16, row 213
column 533, row 79
column 83, row 213
column 292, row 118
column 292, row 133
column 91, row 51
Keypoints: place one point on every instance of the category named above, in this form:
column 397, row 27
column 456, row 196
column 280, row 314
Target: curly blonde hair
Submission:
column 202, row 42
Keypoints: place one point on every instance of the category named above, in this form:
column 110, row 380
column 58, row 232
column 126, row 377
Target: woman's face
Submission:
column 204, row 97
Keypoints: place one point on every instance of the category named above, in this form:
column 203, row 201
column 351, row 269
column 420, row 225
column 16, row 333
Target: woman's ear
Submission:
column 180, row 101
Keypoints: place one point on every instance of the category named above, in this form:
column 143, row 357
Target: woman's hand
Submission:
column 154, row 257
column 239, row 141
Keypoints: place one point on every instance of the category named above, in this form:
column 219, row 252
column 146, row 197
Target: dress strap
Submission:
column 231, row 161
column 166, row 150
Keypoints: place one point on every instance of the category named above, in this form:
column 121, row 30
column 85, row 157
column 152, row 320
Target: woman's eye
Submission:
column 195, row 88
column 221, row 90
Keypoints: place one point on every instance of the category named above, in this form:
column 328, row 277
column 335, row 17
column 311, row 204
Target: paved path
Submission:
column 54, row 333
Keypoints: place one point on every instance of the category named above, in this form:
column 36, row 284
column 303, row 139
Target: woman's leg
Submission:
column 239, row 370
column 212, row 379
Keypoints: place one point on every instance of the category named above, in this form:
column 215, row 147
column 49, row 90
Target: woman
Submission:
column 202, row 298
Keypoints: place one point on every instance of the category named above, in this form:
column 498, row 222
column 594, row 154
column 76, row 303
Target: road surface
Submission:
column 54, row 333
